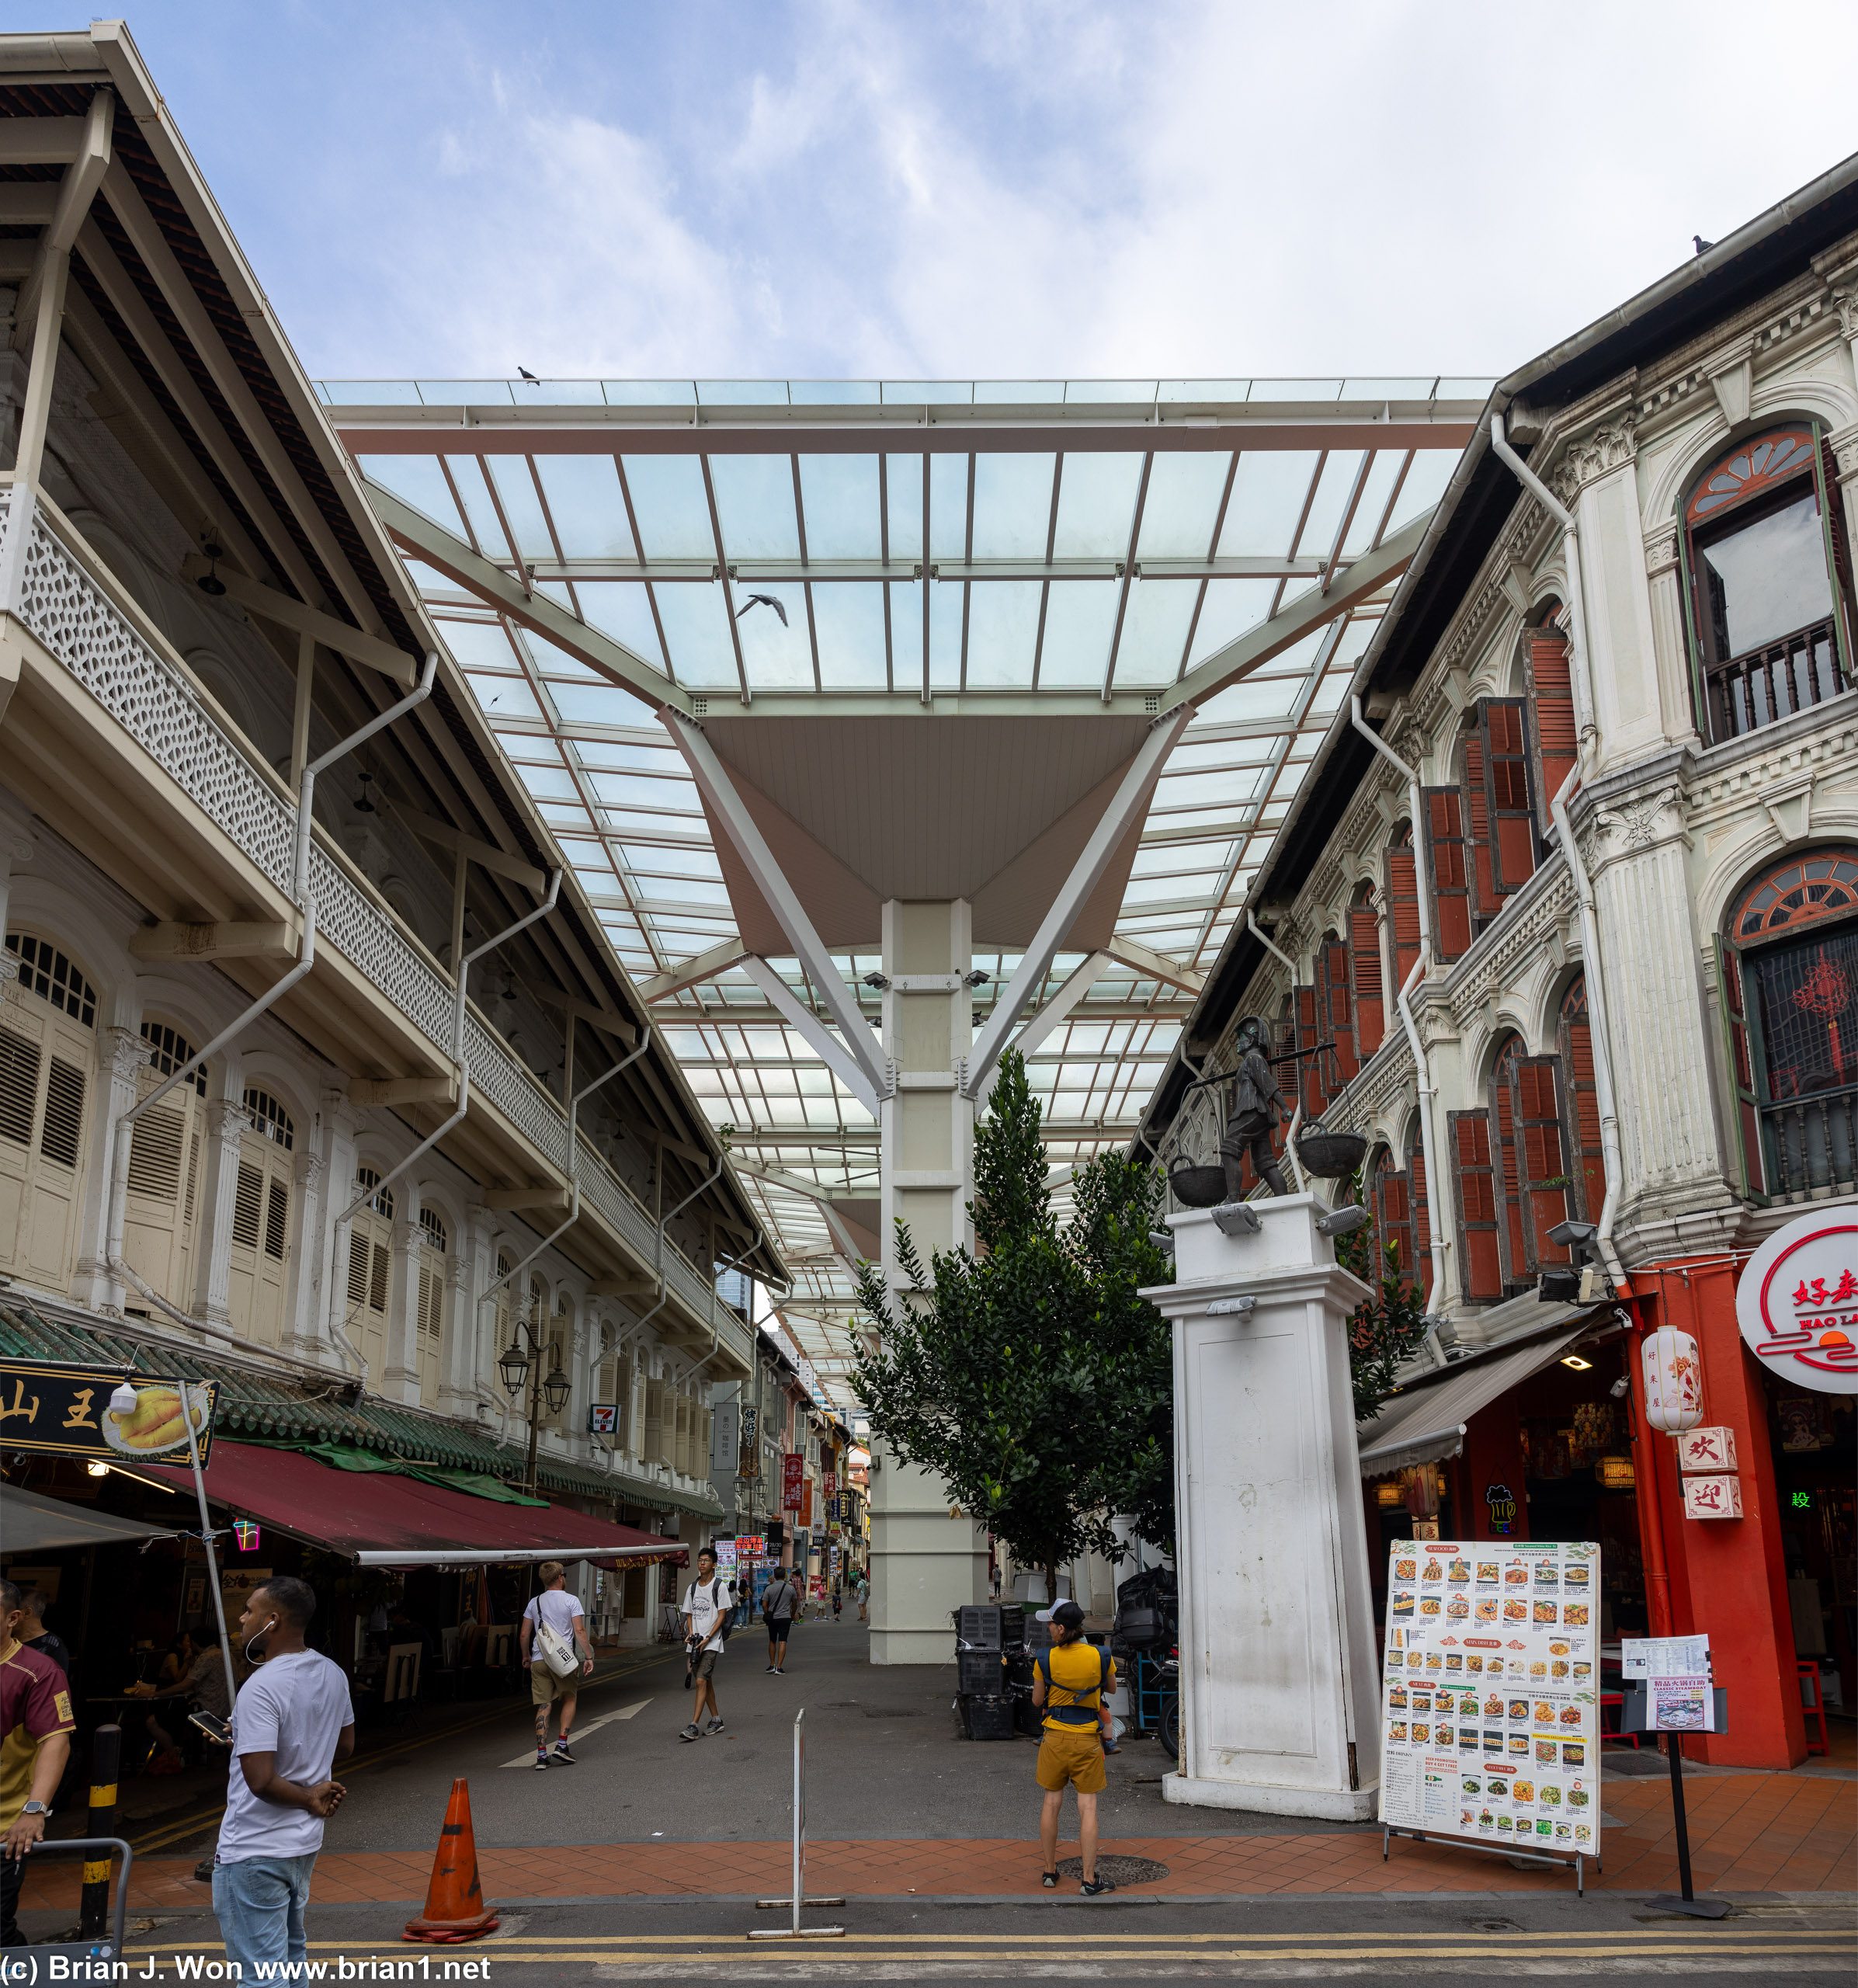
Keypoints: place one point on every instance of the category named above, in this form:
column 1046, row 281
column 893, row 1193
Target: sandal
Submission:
column 1050, row 1880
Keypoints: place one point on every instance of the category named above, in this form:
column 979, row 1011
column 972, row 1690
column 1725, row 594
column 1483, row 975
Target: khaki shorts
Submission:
column 1073, row 1757
column 545, row 1687
column 703, row 1664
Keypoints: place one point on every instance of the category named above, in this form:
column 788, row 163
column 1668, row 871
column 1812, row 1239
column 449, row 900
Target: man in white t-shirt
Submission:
column 292, row 1722
column 707, row 1601
column 560, row 1611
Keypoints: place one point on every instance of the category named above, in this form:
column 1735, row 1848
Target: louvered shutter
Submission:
column 1312, row 1084
column 1551, row 694
column 154, row 1153
column 1512, row 1246
column 1364, row 965
column 277, row 1219
column 1393, row 1253
column 1513, row 821
column 358, row 1270
column 1451, row 878
column 62, row 1136
column 1583, row 1122
column 1737, row 1025
column 1536, row 1110
column 1403, row 909
column 19, row 1060
column 1474, row 1179
column 1338, row 1018
column 1486, row 901
column 377, row 1279
column 1419, row 1196
column 247, row 1206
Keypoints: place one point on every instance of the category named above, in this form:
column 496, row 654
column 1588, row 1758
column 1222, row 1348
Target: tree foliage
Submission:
column 1030, row 1376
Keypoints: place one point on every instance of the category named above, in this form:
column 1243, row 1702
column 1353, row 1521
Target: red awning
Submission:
column 384, row 1520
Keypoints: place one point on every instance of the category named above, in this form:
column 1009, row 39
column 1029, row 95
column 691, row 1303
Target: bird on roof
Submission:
column 762, row 600
column 1702, row 245
column 529, row 376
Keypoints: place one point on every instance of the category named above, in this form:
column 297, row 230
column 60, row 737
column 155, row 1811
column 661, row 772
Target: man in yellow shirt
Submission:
column 1070, row 1681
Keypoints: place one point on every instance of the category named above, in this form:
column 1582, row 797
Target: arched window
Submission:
column 261, row 1219
column 47, row 1052
column 435, row 1257
column 1402, row 905
column 1510, row 1176
column 370, row 1260
column 1788, row 970
column 1581, row 1121
column 1766, row 579
column 1391, row 1198
column 161, row 1213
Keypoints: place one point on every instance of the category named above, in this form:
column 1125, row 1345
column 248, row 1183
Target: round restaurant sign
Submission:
column 1798, row 1302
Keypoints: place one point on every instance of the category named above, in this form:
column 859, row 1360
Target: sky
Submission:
column 1032, row 190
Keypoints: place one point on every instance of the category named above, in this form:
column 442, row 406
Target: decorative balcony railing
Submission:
column 1749, row 691
column 1811, row 1144
column 71, row 605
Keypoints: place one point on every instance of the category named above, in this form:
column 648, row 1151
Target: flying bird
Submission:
column 762, row 600
column 529, row 376
column 1702, row 245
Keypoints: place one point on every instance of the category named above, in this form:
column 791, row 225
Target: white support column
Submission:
column 400, row 1378
column 332, row 1248
column 925, row 1561
column 226, row 1121
column 309, row 1181
column 121, row 1053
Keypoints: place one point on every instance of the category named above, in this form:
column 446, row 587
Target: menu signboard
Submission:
column 1490, row 1693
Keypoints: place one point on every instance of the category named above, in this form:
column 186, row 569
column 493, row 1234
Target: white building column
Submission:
column 309, row 1178
column 1279, row 1679
column 225, row 1122
column 400, row 1374
column 339, row 1124
column 924, row 1562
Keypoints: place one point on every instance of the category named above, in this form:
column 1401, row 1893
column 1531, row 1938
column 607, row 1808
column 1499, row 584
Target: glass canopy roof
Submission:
column 783, row 540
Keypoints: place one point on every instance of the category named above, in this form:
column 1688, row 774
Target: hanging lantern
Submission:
column 1673, row 1370
column 245, row 1531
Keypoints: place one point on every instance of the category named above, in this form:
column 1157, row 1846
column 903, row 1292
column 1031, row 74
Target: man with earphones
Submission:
column 292, row 1722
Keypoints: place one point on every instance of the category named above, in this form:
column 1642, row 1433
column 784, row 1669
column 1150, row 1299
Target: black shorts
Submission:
column 778, row 1626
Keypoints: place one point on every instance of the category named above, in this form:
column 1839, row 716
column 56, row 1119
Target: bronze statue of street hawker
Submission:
column 1257, row 1105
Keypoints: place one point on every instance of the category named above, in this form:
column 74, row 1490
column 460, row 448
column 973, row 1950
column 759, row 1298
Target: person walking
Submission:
column 707, row 1604
column 1070, row 1679
column 35, row 1716
column 779, row 1602
column 555, row 1618
column 292, row 1722
column 864, row 1594
column 838, row 1597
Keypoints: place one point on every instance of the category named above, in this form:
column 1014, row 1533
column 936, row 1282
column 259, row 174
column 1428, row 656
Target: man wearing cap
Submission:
column 1070, row 1679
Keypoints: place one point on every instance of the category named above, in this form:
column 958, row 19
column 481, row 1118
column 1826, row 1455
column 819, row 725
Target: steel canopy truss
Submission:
column 611, row 560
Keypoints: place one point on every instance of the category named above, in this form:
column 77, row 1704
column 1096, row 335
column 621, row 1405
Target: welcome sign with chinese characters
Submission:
column 1797, row 1303
column 59, row 1410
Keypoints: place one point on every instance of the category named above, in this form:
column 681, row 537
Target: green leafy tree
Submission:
column 1385, row 1330
column 1029, row 1376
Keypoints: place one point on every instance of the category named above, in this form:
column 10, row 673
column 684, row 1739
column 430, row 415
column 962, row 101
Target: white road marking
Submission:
column 582, row 1728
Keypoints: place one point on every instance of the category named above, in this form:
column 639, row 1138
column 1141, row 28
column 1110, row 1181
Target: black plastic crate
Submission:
column 980, row 1671
column 977, row 1626
column 987, row 1718
column 1019, row 1669
column 1012, row 1627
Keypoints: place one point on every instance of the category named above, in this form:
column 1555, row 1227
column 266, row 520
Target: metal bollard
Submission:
column 105, row 1764
column 797, row 1931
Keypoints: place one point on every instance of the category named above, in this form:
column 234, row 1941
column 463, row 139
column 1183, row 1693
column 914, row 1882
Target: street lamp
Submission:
column 514, row 1366
column 556, row 1388
column 522, row 1362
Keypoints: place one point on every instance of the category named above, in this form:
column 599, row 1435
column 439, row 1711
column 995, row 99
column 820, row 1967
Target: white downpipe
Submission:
column 1581, row 678
column 1289, row 966
column 1422, row 1069
column 306, row 905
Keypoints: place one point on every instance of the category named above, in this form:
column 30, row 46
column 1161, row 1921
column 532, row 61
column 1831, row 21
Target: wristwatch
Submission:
column 35, row 1809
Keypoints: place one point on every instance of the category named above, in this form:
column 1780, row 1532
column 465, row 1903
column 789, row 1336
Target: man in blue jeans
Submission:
column 292, row 1722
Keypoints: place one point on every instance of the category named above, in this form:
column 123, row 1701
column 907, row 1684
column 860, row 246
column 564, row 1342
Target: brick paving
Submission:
column 1748, row 1832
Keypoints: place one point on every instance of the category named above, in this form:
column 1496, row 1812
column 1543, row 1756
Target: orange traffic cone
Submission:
column 454, row 1900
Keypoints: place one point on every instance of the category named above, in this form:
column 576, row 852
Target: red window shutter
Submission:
column 1364, row 962
column 1551, row 690
column 1338, row 1017
column 1582, row 1118
column 1421, row 1218
column 1403, row 909
column 1474, row 1177
column 1513, row 821
column 1512, row 1246
column 1451, row 882
column 1485, row 902
column 1392, row 1223
column 1536, row 1110
column 1309, row 1069
column 1742, row 1072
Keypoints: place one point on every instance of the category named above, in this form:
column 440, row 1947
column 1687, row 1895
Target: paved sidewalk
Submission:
column 1748, row 1832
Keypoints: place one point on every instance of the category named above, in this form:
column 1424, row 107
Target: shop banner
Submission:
column 725, row 1550
column 1678, row 1697
column 1796, row 1302
column 603, row 1418
column 60, row 1410
column 806, row 1501
column 793, row 1474
column 1491, row 1693
column 748, row 1462
column 750, row 1546
column 829, row 1482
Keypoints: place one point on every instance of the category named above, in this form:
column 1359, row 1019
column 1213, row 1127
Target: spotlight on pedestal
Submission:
column 1235, row 1218
column 1163, row 1240
column 1228, row 1308
column 1341, row 1222
column 1578, row 1239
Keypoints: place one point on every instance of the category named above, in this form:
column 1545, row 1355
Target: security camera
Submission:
column 1579, row 1238
column 1620, row 1388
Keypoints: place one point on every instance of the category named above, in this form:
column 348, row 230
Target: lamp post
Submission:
column 522, row 1362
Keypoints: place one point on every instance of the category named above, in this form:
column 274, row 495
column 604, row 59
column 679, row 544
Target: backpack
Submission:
column 1074, row 1714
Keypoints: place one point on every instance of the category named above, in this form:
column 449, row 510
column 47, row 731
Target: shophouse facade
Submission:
column 370, row 1188
column 1645, row 642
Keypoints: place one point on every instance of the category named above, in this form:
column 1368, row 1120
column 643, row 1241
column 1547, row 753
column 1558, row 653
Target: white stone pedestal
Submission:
column 1278, row 1671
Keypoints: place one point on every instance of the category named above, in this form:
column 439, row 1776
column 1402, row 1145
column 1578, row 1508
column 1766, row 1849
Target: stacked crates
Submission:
column 989, row 1650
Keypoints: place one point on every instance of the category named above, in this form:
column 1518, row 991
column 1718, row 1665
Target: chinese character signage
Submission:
column 1490, row 1698
column 1797, row 1303
column 793, row 1474
column 1712, row 1497
column 1706, row 1449
column 65, row 1411
column 806, row 1501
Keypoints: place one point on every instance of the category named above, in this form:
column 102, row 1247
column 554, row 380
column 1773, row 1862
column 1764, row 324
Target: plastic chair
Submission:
column 1615, row 1702
column 1812, row 1699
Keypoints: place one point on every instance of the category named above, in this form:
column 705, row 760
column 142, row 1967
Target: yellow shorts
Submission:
column 545, row 1687
column 1073, row 1756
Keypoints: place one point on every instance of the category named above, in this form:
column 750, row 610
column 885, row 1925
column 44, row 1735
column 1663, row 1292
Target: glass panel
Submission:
column 1180, row 858
column 935, row 393
column 1230, row 392
column 1184, row 490
column 775, row 658
column 1266, row 501
column 420, row 481
column 560, row 393
column 477, row 644
column 1087, row 391
column 645, row 858
column 945, row 637
column 948, row 507
column 848, row 619
column 463, row 393
column 516, row 490
column 1767, row 579
column 1387, row 390
column 1002, row 628
column 649, row 393
column 430, row 581
column 368, row 393
column 1295, row 389
column 1013, row 508
column 741, row 393
column 1269, row 696
column 583, row 499
column 1079, row 618
column 903, row 494
column 696, row 632
column 840, row 494
column 832, row 393
column 1017, row 393
column 596, row 703
column 1096, row 505
column 1154, row 631
column 1373, row 502
column 673, row 512
column 1462, row 390
column 1338, row 480
column 754, row 502
column 1424, row 484
column 619, row 608
column 505, row 697
column 1232, row 608
column 468, row 477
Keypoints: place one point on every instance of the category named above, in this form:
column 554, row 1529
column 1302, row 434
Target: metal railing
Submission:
column 1811, row 1144
column 1773, row 682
